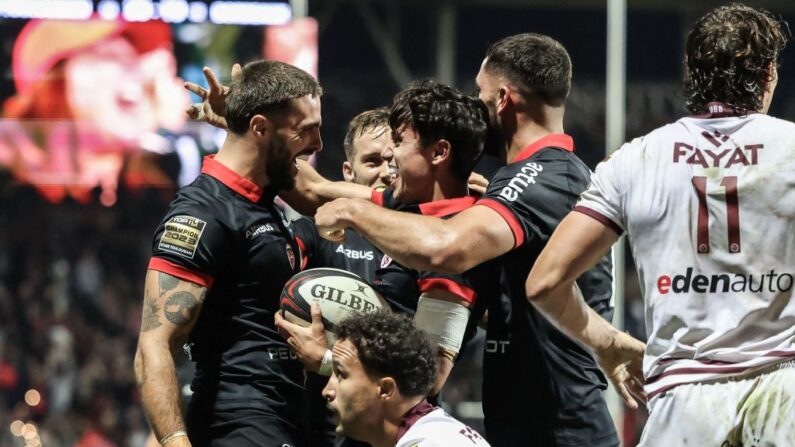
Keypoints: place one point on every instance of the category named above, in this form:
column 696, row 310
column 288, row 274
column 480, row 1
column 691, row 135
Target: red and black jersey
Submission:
column 356, row 254
column 402, row 286
column 538, row 383
column 224, row 233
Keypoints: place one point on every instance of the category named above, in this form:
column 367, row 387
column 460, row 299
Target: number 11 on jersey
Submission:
column 729, row 183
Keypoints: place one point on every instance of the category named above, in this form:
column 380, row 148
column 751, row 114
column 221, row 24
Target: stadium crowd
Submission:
column 70, row 315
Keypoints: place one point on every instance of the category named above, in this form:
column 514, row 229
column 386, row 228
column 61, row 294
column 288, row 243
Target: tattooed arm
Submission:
column 171, row 306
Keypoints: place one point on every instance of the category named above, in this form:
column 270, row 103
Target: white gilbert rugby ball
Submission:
column 340, row 293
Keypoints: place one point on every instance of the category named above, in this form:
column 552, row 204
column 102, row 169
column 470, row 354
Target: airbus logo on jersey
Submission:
column 256, row 230
column 355, row 254
column 726, row 158
column 770, row 282
column 524, row 178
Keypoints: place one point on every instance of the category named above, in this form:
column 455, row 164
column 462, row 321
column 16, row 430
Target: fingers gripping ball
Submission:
column 339, row 293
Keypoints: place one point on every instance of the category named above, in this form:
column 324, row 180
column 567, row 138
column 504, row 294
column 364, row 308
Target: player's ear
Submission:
column 347, row 171
column 442, row 151
column 259, row 125
column 387, row 388
column 503, row 98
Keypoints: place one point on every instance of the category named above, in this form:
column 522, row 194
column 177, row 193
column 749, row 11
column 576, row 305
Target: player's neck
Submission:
column 532, row 126
column 449, row 188
column 244, row 158
column 393, row 420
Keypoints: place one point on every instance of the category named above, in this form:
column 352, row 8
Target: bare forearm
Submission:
column 412, row 240
column 565, row 307
column 313, row 190
column 159, row 387
column 444, row 367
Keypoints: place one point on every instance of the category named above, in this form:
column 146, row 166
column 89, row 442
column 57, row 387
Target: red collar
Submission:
column 560, row 140
column 446, row 207
column 231, row 179
column 412, row 416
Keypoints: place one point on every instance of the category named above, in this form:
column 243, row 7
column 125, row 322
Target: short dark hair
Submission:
column 367, row 121
column 440, row 112
column 265, row 87
column 388, row 344
column 728, row 56
column 536, row 64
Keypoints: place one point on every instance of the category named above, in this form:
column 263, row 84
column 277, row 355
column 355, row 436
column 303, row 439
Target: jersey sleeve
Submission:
column 456, row 285
column 192, row 243
column 385, row 198
column 518, row 193
column 603, row 198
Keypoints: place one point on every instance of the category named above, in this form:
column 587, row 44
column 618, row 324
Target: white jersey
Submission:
column 439, row 429
column 709, row 208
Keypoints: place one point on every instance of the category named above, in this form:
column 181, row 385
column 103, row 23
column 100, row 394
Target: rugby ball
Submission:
column 340, row 293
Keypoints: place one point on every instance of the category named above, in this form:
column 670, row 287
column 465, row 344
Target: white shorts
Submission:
column 756, row 410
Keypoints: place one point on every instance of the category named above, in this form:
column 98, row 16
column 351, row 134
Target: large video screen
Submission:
column 93, row 99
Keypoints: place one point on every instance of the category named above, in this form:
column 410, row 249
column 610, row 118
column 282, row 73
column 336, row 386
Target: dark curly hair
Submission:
column 536, row 65
column 728, row 57
column 367, row 121
column 388, row 344
column 265, row 87
column 441, row 112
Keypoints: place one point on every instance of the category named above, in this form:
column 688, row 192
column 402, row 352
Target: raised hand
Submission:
column 211, row 109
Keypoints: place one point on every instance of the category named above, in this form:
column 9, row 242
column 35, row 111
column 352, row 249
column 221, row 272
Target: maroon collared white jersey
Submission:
column 439, row 429
column 709, row 208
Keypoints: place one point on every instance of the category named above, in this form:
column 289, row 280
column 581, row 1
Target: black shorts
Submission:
column 241, row 427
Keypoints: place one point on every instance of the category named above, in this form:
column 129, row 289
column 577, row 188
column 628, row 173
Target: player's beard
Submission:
column 279, row 169
column 495, row 141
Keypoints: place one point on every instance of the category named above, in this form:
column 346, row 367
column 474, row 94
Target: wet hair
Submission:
column 265, row 87
column 388, row 345
column 440, row 112
column 367, row 121
column 728, row 56
column 537, row 65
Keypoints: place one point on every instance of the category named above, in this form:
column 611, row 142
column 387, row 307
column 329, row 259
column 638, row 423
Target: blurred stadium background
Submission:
column 93, row 145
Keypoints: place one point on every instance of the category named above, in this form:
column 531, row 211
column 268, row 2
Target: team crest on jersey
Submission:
column 290, row 256
column 181, row 235
column 385, row 261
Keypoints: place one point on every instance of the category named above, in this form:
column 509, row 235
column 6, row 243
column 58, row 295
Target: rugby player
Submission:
column 220, row 259
column 382, row 370
column 540, row 386
column 438, row 136
column 708, row 203
column 366, row 137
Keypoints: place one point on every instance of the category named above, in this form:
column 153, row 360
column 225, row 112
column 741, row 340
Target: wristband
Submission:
column 172, row 436
column 325, row 364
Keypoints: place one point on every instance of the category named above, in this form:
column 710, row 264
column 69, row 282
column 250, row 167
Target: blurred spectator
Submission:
column 97, row 102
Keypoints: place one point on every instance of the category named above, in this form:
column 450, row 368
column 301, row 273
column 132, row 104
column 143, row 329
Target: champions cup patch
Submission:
column 182, row 235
